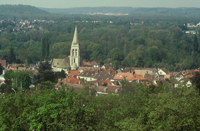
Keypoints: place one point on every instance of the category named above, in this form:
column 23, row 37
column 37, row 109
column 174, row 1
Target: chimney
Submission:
column 105, row 89
column 89, row 90
column 117, row 90
column 59, row 81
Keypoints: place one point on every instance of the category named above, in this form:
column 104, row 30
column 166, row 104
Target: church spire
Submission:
column 75, row 39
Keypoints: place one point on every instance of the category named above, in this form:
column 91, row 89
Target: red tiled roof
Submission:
column 105, row 81
column 14, row 69
column 94, row 62
column 72, row 80
column 90, row 63
column 3, row 63
column 87, row 63
column 188, row 75
column 73, row 73
column 128, row 76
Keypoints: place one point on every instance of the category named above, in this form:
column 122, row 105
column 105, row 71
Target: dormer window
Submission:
column 135, row 76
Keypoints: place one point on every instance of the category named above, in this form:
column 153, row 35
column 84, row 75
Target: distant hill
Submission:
column 21, row 9
column 188, row 12
column 87, row 10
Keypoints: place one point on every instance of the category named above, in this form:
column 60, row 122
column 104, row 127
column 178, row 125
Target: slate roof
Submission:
column 61, row 63
column 15, row 65
column 88, row 73
column 103, row 75
column 21, row 68
column 110, row 89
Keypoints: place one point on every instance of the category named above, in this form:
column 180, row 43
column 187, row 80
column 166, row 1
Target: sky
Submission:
column 96, row 3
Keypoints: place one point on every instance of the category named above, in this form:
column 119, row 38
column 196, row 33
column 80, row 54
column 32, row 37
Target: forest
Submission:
column 121, row 44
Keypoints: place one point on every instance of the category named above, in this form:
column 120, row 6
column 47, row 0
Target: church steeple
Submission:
column 75, row 39
column 75, row 52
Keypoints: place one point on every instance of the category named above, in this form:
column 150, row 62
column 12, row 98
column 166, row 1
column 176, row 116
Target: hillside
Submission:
column 188, row 12
column 21, row 9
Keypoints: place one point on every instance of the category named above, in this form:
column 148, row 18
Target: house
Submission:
column 3, row 63
column 88, row 75
column 81, row 69
column 71, row 80
column 162, row 71
column 16, row 65
column 61, row 64
column 107, row 66
column 102, row 83
column 105, row 75
column 183, row 82
column 21, row 68
column 131, row 77
column 104, row 90
column 73, row 73
column 91, row 64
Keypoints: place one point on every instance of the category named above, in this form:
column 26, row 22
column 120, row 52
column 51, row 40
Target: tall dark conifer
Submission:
column 45, row 47
column 196, row 44
column 11, row 57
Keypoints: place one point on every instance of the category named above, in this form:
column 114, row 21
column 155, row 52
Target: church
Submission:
column 73, row 61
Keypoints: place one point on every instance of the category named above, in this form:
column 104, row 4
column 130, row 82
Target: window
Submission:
column 74, row 60
column 135, row 76
column 75, row 52
column 72, row 52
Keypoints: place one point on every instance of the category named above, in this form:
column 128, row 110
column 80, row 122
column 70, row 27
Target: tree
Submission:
column 1, row 69
column 11, row 56
column 196, row 44
column 196, row 81
column 6, row 87
column 45, row 47
column 45, row 73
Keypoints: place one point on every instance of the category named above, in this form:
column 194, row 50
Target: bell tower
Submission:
column 75, row 52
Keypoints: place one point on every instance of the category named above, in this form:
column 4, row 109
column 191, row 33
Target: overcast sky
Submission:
column 95, row 3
